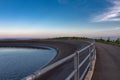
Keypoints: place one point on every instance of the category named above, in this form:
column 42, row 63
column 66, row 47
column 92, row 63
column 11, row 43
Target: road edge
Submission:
column 90, row 72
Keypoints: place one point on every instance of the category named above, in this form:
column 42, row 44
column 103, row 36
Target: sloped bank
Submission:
column 64, row 49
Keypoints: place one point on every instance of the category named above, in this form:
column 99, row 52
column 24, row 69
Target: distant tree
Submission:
column 108, row 40
column 101, row 40
column 117, row 41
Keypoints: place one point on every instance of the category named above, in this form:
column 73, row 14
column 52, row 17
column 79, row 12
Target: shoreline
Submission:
column 23, row 46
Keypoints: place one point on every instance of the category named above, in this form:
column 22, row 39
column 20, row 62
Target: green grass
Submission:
column 108, row 41
column 70, row 38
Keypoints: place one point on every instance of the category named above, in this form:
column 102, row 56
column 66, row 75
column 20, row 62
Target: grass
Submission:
column 71, row 38
column 108, row 41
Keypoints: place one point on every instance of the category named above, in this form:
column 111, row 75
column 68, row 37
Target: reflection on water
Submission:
column 17, row 63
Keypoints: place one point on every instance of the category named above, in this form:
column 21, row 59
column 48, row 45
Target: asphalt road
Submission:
column 108, row 62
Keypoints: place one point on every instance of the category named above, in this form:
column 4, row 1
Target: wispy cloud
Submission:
column 112, row 14
column 115, row 29
column 108, row 32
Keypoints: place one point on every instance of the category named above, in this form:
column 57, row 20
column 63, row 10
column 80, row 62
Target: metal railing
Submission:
column 77, row 64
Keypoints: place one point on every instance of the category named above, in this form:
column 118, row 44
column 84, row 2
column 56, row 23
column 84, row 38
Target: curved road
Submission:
column 108, row 62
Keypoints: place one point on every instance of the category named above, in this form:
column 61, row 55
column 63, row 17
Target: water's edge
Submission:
column 34, row 46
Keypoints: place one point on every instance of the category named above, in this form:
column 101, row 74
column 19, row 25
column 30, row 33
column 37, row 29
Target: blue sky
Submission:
column 53, row 18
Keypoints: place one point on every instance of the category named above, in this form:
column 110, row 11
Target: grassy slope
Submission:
column 70, row 38
column 117, row 42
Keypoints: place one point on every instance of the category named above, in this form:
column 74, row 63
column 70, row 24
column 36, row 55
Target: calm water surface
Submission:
column 17, row 63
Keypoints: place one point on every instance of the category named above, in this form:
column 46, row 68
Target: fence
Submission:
column 77, row 65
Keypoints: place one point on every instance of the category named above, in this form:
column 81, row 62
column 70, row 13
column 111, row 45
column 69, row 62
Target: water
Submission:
column 17, row 63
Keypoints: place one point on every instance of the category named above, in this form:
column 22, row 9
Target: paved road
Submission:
column 108, row 62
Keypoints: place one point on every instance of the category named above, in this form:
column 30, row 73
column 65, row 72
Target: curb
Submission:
column 90, row 72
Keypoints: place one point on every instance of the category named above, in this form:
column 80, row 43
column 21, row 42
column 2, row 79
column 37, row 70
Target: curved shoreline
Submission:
column 64, row 49
column 23, row 46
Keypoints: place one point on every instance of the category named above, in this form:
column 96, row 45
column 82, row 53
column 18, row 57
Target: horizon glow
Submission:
column 59, row 18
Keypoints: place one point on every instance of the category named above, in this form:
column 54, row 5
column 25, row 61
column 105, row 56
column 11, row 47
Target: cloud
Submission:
column 108, row 32
column 112, row 14
column 117, row 28
column 112, row 29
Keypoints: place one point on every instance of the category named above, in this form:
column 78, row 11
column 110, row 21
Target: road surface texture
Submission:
column 64, row 48
column 108, row 62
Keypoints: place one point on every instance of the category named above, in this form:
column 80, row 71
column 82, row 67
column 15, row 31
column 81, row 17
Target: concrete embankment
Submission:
column 64, row 49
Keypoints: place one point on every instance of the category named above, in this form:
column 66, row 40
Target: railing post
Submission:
column 76, row 64
column 90, row 58
column 94, row 52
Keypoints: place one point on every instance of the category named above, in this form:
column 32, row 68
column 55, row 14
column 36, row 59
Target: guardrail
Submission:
column 77, row 64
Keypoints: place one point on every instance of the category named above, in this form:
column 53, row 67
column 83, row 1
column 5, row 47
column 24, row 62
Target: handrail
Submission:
column 77, row 66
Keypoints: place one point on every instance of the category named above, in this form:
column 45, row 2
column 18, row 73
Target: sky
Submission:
column 58, row 18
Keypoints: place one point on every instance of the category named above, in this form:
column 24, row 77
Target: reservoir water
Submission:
column 17, row 63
